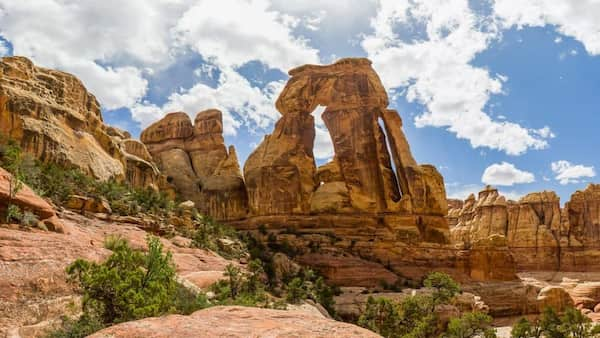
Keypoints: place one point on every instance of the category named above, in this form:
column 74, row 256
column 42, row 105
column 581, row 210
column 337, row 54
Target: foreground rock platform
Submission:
column 34, row 291
column 236, row 321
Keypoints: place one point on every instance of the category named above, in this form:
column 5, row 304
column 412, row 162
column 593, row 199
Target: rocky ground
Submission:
column 33, row 286
column 237, row 321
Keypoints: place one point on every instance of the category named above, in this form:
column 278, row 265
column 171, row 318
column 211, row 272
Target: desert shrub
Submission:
column 29, row 219
column 415, row 316
column 381, row 316
column 217, row 237
column 82, row 327
column 296, row 291
column 187, row 302
column 445, row 288
column 13, row 213
column 572, row 324
column 59, row 182
column 470, row 325
column 241, row 288
column 129, row 285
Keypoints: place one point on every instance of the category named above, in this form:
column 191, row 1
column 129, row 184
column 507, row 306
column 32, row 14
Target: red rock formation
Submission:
column 280, row 173
column 539, row 234
column 237, row 321
column 196, row 161
column 27, row 200
column 56, row 119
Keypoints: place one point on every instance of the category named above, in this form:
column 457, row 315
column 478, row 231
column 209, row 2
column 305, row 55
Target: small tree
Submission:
column 470, row 325
column 295, row 291
column 232, row 272
column 129, row 285
column 12, row 160
column 255, row 269
column 525, row 329
column 445, row 288
column 550, row 324
column 381, row 316
column 574, row 324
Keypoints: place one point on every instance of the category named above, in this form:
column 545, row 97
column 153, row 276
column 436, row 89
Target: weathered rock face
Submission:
column 355, row 102
column 280, row 173
column 237, row 321
column 371, row 201
column 196, row 161
column 27, row 200
column 56, row 119
column 539, row 234
column 583, row 216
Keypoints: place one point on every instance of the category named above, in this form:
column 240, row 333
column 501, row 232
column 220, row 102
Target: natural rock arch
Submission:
column 281, row 175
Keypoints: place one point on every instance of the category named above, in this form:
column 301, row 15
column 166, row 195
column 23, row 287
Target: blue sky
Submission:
column 501, row 92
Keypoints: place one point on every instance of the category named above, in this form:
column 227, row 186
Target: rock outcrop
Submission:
column 539, row 234
column 56, row 119
column 372, row 203
column 196, row 161
column 27, row 201
column 237, row 321
column 356, row 108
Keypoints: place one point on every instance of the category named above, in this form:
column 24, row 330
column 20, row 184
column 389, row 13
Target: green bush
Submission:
column 415, row 316
column 82, row 327
column 211, row 235
column 241, row 288
column 58, row 183
column 381, row 316
column 470, row 325
column 295, row 291
column 572, row 324
column 129, row 285
column 445, row 288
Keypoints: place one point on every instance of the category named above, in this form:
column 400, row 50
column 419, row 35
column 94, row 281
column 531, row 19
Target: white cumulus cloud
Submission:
column 567, row 173
column 505, row 174
column 233, row 32
column 240, row 102
column 574, row 18
column 436, row 69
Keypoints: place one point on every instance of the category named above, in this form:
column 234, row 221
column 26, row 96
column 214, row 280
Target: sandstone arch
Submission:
column 280, row 174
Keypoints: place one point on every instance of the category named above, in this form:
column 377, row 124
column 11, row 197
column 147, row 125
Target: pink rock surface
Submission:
column 236, row 321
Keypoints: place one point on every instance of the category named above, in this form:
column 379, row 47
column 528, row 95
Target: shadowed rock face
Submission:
column 57, row 120
column 196, row 161
column 539, row 234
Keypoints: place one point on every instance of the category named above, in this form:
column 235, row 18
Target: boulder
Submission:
column 555, row 297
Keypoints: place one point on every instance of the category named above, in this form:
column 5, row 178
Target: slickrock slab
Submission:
column 236, row 321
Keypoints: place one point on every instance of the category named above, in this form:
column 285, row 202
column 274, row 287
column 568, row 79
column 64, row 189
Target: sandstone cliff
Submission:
column 196, row 161
column 56, row 119
column 539, row 234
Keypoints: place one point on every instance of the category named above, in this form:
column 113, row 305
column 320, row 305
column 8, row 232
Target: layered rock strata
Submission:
column 372, row 204
column 539, row 234
column 56, row 119
column 196, row 161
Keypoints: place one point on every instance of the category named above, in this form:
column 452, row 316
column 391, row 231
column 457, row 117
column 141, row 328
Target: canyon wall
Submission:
column 55, row 119
column 539, row 234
